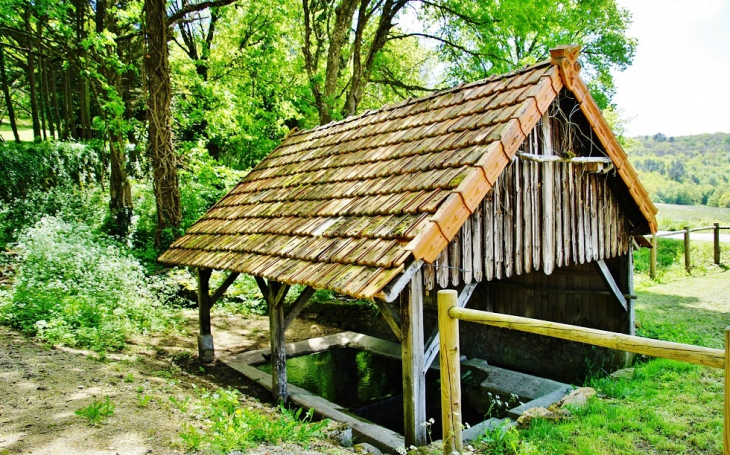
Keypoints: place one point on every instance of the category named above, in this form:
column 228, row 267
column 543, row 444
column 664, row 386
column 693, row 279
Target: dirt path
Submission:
column 41, row 387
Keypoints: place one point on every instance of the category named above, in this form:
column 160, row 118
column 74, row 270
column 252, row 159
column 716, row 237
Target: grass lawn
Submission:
column 25, row 131
column 667, row 406
column 674, row 217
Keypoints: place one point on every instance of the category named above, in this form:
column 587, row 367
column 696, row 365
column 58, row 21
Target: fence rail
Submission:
column 449, row 314
column 716, row 228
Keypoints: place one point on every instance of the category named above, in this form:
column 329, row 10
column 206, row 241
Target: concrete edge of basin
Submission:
column 384, row 439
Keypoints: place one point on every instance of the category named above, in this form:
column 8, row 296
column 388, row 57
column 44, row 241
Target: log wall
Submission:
column 538, row 217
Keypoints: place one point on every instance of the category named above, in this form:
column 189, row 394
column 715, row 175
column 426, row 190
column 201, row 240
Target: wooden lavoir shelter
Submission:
column 512, row 190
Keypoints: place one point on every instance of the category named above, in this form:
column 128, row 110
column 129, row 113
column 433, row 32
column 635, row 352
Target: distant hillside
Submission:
column 687, row 170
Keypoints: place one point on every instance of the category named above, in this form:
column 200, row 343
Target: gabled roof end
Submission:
column 565, row 57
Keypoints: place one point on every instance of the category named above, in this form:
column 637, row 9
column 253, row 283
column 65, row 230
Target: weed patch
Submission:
column 231, row 426
column 97, row 412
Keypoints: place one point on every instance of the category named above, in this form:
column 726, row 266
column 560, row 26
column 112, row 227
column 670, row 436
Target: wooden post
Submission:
column 278, row 344
column 726, row 428
column 717, row 243
column 414, row 380
column 450, row 373
column 687, row 262
column 206, row 351
column 652, row 257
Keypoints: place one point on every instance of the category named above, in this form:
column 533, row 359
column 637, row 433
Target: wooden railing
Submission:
column 449, row 314
column 687, row 259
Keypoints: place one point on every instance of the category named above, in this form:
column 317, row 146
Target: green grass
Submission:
column 667, row 406
column 675, row 217
column 25, row 131
column 670, row 261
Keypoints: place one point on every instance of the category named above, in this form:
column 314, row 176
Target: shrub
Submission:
column 44, row 165
column 89, row 205
column 74, row 289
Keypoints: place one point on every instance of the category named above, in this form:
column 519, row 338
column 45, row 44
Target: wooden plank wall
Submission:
column 524, row 225
column 568, row 296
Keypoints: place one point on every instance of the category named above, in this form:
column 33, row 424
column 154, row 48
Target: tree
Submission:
column 490, row 37
column 6, row 94
column 330, row 47
column 165, row 183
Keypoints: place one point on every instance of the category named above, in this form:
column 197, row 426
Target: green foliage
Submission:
column 76, row 289
column 670, row 261
column 505, row 35
column 503, row 440
column 230, row 426
column 687, row 170
column 97, row 412
column 41, row 166
column 143, row 400
column 202, row 183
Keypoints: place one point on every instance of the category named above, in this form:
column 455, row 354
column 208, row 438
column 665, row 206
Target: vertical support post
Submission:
column 450, row 373
column 414, row 379
column 630, row 302
column 726, row 427
column 687, row 262
column 206, row 351
column 717, row 243
column 652, row 257
column 278, row 344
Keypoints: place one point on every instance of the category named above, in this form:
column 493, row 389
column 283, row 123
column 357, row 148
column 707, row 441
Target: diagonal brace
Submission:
column 223, row 288
column 611, row 283
column 390, row 316
column 432, row 345
column 298, row 305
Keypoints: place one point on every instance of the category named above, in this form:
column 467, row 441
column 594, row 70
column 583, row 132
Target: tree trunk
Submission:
column 157, row 68
column 84, row 132
column 6, row 92
column 54, row 96
column 46, row 98
column 69, row 127
column 120, row 191
column 343, row 21
column 30, row 74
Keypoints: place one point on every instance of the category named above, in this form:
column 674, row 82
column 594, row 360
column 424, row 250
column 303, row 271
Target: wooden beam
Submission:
column 223, row 288
column 450, row 374
column 390, row 316
column 432, row 345
column 206, row 350
column 278, row 352
column 280, row 295
column 298, row 305
column 275, row 294
column 611, row 283
column 697, row 355
column 414, row 380
column 392, row 290
column 263, row 287
column 554, row 158
column 726, row 413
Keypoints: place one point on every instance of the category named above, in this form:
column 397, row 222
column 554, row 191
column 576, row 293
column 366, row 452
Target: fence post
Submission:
column 717, row 243
column 652, row 257
column 450, row 372
column 726, row 426
column 687, row 262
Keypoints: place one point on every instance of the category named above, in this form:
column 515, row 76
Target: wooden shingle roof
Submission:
column 347, row 205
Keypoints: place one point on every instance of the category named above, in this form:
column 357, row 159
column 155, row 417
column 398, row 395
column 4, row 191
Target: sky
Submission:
column 679, row 83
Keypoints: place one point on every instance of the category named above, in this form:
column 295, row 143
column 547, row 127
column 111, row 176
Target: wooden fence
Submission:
column 449, row 314
column 687, row 259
